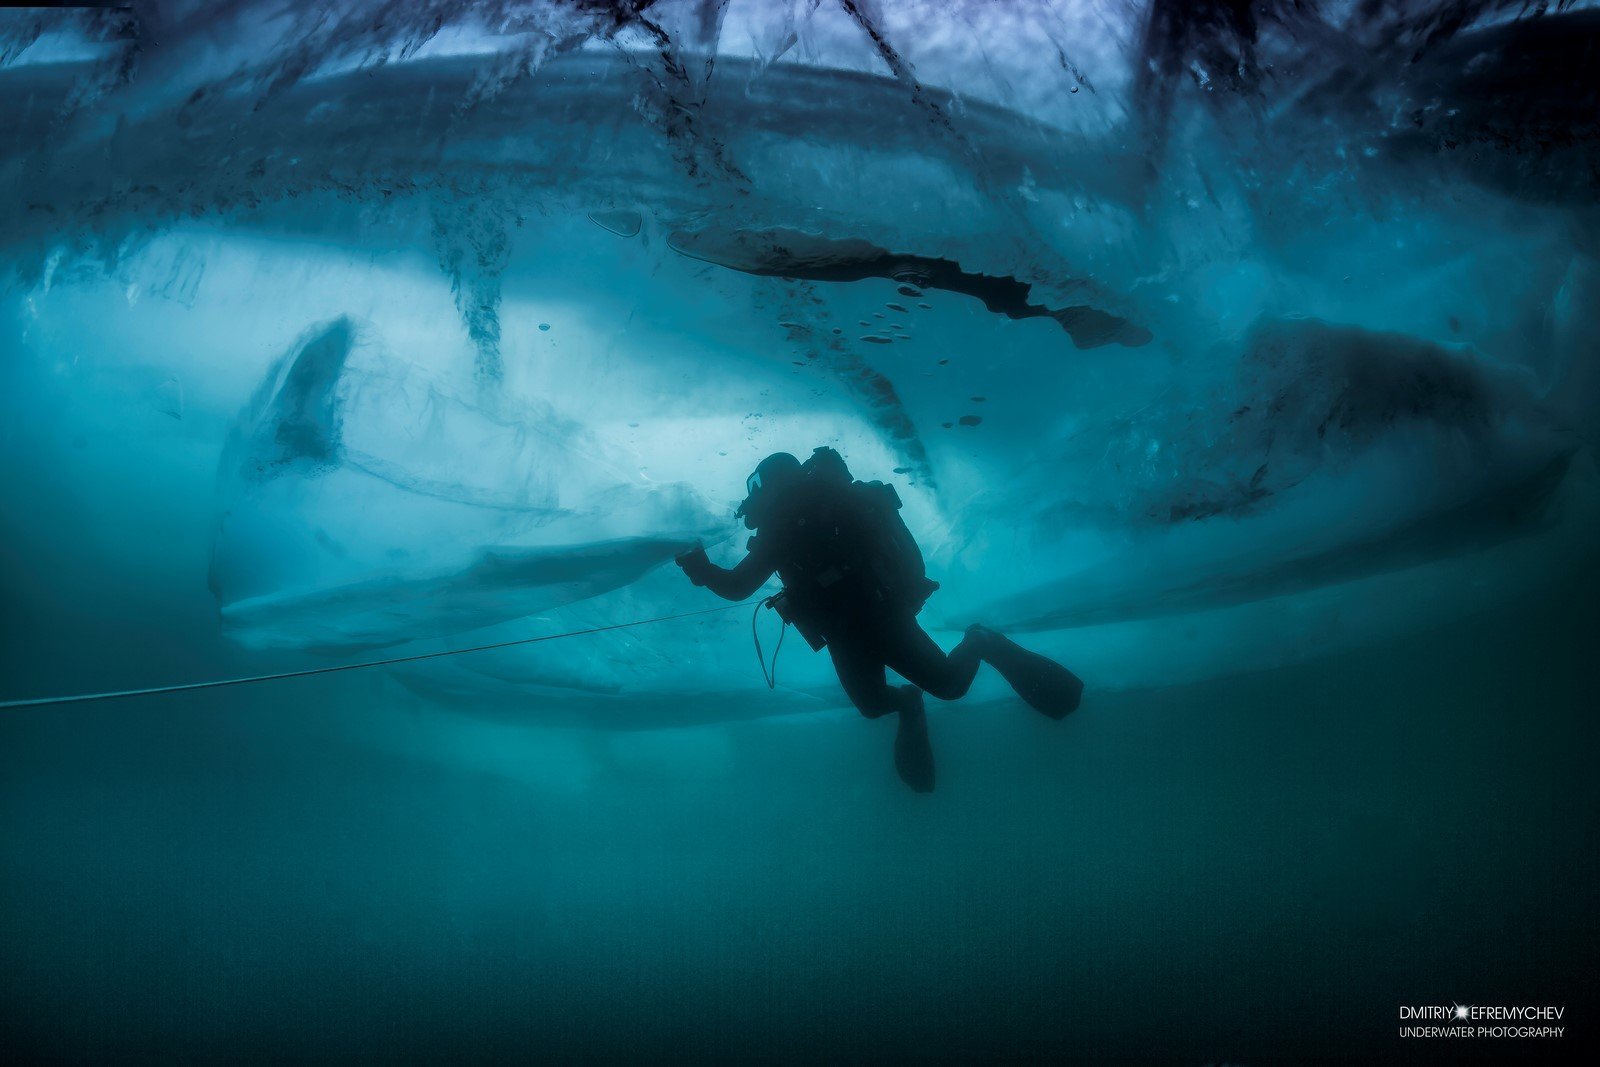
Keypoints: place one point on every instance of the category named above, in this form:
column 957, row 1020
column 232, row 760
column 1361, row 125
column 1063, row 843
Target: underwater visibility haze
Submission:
column 1240, row 357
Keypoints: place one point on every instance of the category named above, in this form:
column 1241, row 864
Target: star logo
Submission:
column 1461, row 1011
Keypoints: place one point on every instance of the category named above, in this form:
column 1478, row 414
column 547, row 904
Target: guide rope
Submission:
column 220, row 683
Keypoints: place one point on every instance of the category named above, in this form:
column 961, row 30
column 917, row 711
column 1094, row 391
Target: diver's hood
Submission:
column 756, row 507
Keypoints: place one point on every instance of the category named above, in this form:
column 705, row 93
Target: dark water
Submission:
column 1232, row 871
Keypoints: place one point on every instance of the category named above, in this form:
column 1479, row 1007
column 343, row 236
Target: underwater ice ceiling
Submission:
column 462, row 314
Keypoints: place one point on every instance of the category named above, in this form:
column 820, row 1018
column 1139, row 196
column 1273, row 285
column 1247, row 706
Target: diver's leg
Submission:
column 861, row 672
column 917, row 658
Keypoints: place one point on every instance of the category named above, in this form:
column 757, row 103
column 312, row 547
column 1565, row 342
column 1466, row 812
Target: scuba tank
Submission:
column 885, row 551
column 852, row 550
column 892, row 555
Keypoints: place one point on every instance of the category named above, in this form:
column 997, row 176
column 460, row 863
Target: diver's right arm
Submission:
column 748, row 575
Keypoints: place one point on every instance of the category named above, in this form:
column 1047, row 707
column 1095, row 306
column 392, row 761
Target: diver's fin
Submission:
column 1044, row 685
column 913, row 753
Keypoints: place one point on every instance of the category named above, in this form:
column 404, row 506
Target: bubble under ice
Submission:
column 483, row 325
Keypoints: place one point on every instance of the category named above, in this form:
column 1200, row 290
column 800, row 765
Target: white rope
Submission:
column 83, row 698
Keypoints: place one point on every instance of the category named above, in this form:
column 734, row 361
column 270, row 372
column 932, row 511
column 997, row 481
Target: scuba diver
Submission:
column 853, row 582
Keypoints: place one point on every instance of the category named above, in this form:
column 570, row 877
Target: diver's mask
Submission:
column 762, row 485
column 750, row 508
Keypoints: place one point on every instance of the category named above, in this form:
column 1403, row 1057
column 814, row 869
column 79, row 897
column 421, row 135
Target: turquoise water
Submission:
column 1250, row 377
column 1229, row 870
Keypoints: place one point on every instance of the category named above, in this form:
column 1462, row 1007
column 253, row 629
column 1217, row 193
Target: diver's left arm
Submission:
column 736, row 583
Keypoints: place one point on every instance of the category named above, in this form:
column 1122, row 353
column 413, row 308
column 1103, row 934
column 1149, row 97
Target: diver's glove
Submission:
column 697, row 565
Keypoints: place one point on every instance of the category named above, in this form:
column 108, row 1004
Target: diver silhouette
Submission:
column 853, row 582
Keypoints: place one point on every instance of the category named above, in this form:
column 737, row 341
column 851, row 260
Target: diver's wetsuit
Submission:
column 856, row 583
column 864, row 634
